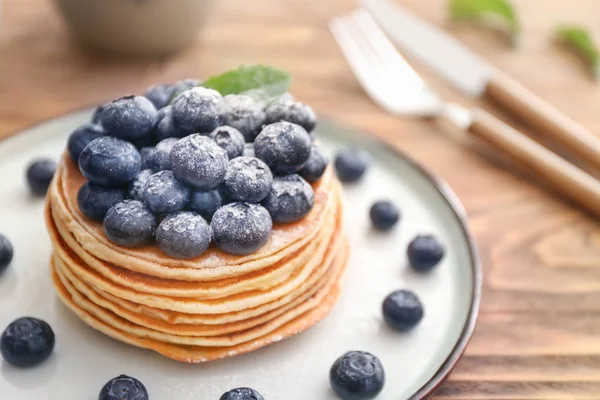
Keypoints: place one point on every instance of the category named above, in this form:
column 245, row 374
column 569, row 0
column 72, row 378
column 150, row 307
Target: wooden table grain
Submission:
column 538, row 335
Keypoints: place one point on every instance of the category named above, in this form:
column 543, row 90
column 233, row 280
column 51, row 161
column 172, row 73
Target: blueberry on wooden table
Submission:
column 402, row 310
column 27, row 342
column 242, row 113
column 241, row 228
column 284, row 147
column 123, row 387
column 6, row 252
column 94, row 201
column 351, row 164
column 183, row 235
column 242, row 394
column 129, row 224
column 39, row 174
column 109, row 161
column 130, row 117
column 357, row 375
column 81, row 137
column 424, row 252
column 384, row 215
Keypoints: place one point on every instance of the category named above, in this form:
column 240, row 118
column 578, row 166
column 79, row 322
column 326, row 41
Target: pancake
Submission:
column 211, row 265
column 257, row 280
column 228, row 340
column 196, row 354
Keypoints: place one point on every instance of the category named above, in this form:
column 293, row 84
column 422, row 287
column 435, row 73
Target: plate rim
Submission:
column 448, row 195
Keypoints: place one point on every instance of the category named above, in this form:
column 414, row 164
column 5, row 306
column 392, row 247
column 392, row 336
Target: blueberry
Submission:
column 241, row 228
column 244, row 114
column 94, row 200
column 199, row 161
column 205, row 203
column 384, row 215
column 183, row 235
column 27, row 342
column 290, row 199
column 161, row 157
column 163, row 193
column 230, row 140
column 129, row 224
column 39, row 175
column 159, row 95
column 315, row 166
column 129, row 117
column 110, row 161
column 136, row 187
column 185, row 84
column 291, row 111
column 351, row 164
column 357, row 375
column 424, row 252
column 146, row 155
column 249, row 150
column 6, row 252
column 197, row 110
column 242, row 394
column 123, row 387
column 247, row 179
column 81, row 137
column 402, row 310
column 283, row 146
column 97, row 116
column 165, row 127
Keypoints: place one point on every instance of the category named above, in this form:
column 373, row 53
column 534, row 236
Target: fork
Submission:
column 394, row 85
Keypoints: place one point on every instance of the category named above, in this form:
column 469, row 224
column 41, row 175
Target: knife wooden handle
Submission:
column 562, row 176
column 548, row 120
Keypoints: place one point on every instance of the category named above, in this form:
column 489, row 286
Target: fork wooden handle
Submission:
column 548, row 120
column 562, row 176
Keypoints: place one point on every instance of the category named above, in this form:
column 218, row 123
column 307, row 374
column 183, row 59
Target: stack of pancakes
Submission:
column 214, row 306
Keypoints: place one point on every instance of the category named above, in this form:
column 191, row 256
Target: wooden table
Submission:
column 538, row 335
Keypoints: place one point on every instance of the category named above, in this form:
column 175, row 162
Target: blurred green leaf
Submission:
column 580, row 40
column 481, row 9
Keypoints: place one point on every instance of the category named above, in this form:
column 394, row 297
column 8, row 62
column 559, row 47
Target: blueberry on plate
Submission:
column 183, row 235
column 242, row 113
column 402, row 310
column 424, row 252
column 198, row 161
column 357, row 375
column 241, row 228
column 205, row 203
column 291, row 111
column 230, row 140
column 146, row 154
column 197, row 110
column 283, row 146
column 384, row 215
column 315, row 165
column 97, row 116
column 161, row 157
column 163, row 193
column 123, row 387
column 94, row 201
column 6, row 252
column 129, row 117
column 81, row 137
column 129, row 224
column 290, row 199
column 136, row 187
column 27, row 342
column 242, row 394
column 159, row 95
column 110, row 161
column 249, row 150
column 247, row 179
column 39, row 175
column 351, row 164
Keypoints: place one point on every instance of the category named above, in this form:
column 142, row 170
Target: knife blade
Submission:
column 476, row 77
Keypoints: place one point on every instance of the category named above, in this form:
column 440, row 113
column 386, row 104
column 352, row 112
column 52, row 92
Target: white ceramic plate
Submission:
column 296, row 369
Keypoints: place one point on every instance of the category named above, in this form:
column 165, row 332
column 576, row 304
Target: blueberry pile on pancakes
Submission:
column 197, row 225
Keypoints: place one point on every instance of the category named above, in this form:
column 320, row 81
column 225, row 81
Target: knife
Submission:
column 475, row 77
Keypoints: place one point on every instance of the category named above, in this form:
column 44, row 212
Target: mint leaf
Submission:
column 579, row 39
column 482, row 9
